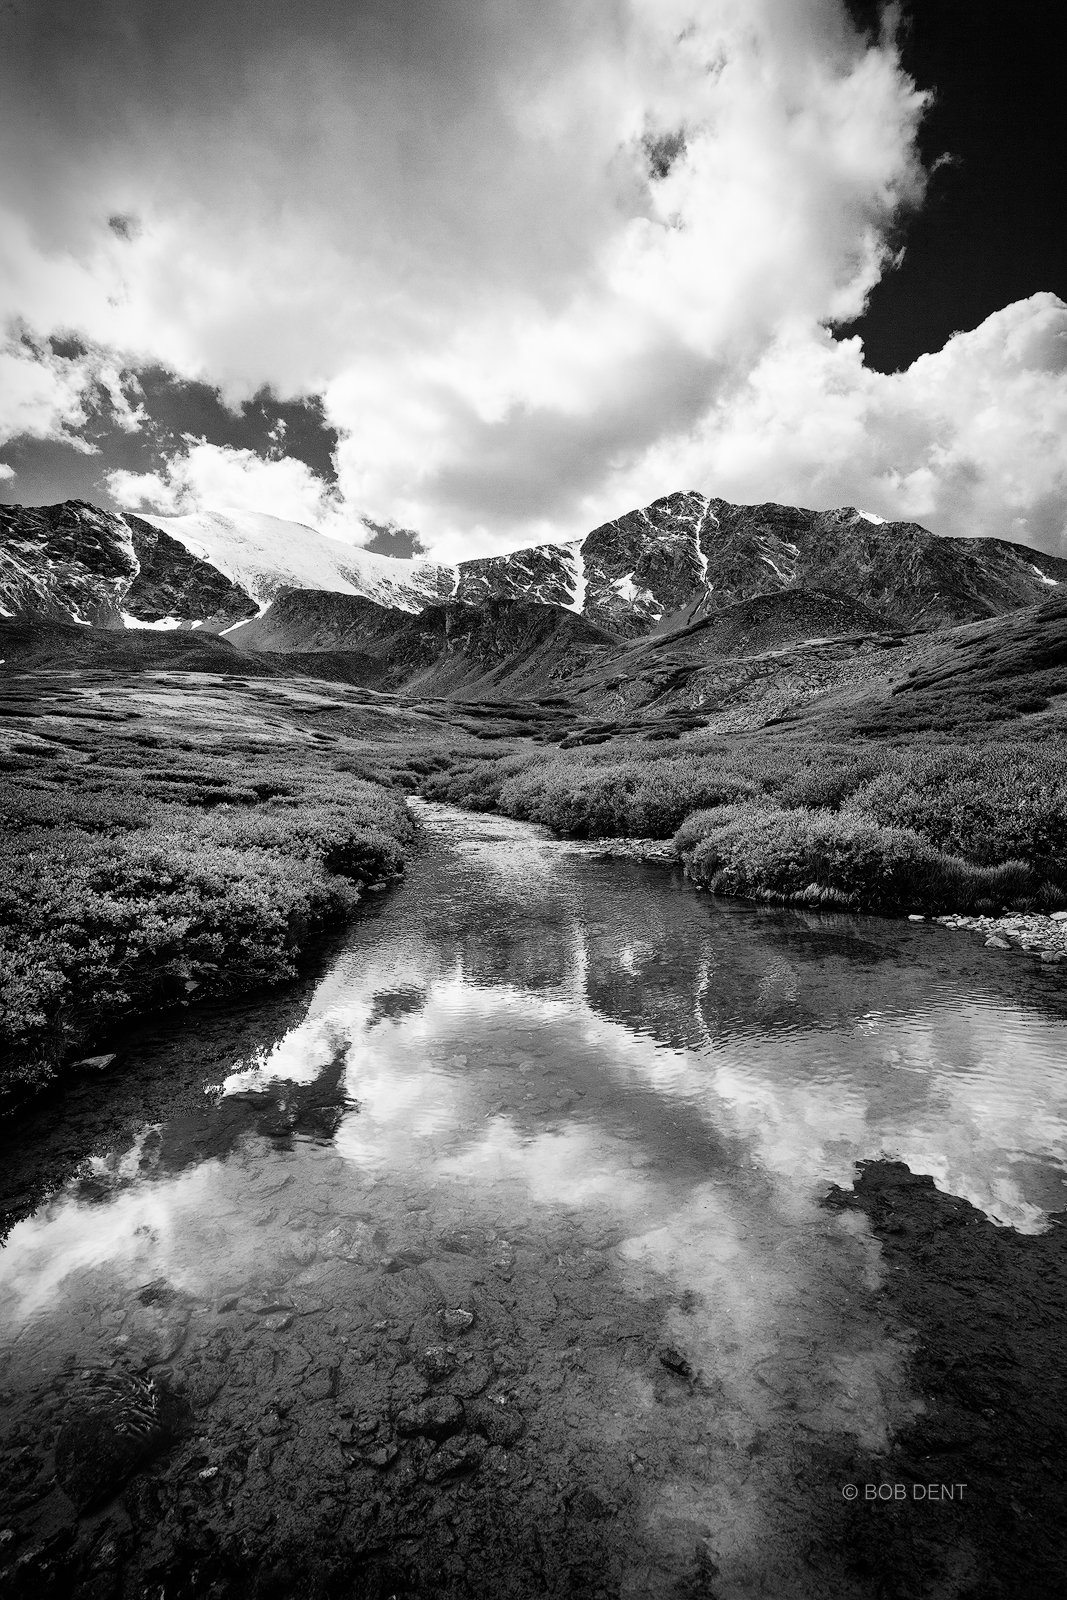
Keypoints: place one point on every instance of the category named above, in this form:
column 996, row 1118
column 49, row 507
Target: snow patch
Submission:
column 264, row 554
column 574, row 550
column 1044, row 576
column 163, row 625
column 775, row 569
column 871, row 516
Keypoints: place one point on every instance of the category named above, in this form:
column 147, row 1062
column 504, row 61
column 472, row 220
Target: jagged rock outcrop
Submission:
column 171, row 582
column 905, row 574
column 65, row 563
column 75, row 563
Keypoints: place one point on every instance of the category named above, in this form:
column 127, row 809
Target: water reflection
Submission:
column 599, row 1110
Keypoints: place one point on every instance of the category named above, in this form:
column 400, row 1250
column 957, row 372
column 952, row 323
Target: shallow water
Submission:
column 594, row 1112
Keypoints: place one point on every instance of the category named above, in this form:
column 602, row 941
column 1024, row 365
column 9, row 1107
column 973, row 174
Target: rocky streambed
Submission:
column 526, row 1253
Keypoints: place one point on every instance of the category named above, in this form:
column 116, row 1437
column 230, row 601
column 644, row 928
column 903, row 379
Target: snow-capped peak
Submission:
column 265, row 554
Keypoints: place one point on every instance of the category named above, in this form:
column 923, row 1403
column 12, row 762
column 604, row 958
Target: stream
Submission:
column 499, row 1264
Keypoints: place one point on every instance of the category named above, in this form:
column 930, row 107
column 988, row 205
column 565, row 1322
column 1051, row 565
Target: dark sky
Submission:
column 992, row 229
column 175, row 407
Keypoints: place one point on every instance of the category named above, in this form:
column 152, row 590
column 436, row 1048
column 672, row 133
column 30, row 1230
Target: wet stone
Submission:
column 501, row 1424
column 472, row 1377
column 438, row 1362
column 457, row 1320
column 460, row 1454
column 117, row 1420
column 675, row 1361
column 593, row 1506
column 435, row 1418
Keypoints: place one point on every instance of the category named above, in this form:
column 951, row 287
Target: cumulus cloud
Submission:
column 215, row 477
column 540, row 262
column 969, row 440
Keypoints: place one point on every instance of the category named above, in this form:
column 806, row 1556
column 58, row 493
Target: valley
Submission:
column 833, row 712
column 428, row 1142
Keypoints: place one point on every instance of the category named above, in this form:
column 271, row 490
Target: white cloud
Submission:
column 969, row 440
column 216, row 477
column 440, row 217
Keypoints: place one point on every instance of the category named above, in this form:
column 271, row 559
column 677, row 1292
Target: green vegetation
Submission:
column 947, row 825
column 143, row 874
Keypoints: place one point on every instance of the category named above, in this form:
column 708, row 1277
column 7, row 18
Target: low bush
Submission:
column 987, row 804
column 824, row 857
column 116, row 895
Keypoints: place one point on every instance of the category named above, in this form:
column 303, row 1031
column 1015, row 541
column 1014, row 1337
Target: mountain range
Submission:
column 705, row 576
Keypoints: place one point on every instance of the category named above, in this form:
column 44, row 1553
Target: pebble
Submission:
column 1030, row 932
column 675, row 1361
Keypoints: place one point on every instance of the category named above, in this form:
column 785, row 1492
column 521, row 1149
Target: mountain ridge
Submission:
column 655, row 569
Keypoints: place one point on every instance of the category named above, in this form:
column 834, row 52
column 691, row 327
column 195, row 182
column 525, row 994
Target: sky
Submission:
column 474, row 274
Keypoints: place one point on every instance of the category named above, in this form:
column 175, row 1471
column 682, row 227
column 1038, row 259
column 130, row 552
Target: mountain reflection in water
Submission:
column 601, row 1110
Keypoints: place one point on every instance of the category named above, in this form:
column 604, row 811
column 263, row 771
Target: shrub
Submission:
column 987, row 805
column 118, row 886
column 826, row 857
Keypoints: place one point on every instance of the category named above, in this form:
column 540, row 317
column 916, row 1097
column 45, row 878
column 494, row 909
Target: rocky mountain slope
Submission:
column 502, row 647
column 75, row 563
column 684, row 559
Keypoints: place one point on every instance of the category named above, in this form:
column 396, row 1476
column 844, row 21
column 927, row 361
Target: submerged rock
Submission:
column 436, row 1417
column 675, row 1361
column 117, row 1420
column 462, row 1453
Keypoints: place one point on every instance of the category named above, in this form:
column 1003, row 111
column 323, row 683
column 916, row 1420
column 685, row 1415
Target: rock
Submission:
column 914, row 916
column 96, row 1063
column 117, row 1421
column 1053, row 958
column 457, row 1320
column 502, row 1258
column 438, row 1362
column 675, row 1361
column 501, row 1425
column 994, row 942
column 473, row 1376
column 592, row 1505
column 463, row 1453
column 435, row 1417
column 381, row 1456
column 1059, row 916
